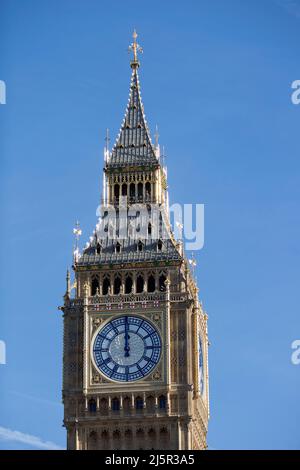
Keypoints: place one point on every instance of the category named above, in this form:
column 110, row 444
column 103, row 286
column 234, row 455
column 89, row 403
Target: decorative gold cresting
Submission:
column 135, row 48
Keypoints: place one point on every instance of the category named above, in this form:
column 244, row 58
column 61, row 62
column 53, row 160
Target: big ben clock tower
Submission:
column 135, row 360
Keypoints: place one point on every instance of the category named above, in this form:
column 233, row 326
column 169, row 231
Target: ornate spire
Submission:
column 135, row 48
column 133, row 144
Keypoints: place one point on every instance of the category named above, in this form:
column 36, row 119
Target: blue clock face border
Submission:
column 127, row 348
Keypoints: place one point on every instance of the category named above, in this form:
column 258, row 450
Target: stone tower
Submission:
column 135, row 360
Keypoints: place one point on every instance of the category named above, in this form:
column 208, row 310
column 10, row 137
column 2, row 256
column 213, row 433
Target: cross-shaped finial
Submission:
column 135, row 48
column 77, row 233
column 77, row 230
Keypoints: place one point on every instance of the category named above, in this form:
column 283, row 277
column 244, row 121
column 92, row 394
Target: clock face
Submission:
column 127, row 348
column 201, row 368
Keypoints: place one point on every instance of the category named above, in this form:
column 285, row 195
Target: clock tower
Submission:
column 135, row 358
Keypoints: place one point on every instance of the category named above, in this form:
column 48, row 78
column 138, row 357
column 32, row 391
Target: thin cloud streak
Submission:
column 33, row 441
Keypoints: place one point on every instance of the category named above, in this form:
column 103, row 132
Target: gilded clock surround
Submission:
column 99, row 321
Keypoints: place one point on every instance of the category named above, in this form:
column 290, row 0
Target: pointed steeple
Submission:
column 133, row 145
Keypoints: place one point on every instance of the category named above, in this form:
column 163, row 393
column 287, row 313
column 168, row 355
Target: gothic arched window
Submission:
column 152, row 438
column 92, row 405
column 98, row 249
column 151, row 283
column 128, row 434
column 124, row 189
column 140, row 191
column 149, row 229
column 139, row 284
column 159, row 245
column 128, row 285
column 115, row 404
column 106, row 286
column 118, row 247
column 162, row 402
column 116, row 440
column 95, row 286
column 132, row 190
column 139, row 403
column 104, row 440
column 148, row 189
column 140, row 246
column 162, row 285
column 117, row 285
column 92, row 442
column 116, row 191
column 140, row 436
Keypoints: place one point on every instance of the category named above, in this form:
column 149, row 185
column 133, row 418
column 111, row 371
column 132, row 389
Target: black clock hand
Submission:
column 126, row 348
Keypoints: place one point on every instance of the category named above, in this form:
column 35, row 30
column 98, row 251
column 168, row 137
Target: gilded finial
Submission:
column 135, row 48
column 77, row 232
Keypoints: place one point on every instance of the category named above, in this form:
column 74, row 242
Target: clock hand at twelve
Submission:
column 126, row 347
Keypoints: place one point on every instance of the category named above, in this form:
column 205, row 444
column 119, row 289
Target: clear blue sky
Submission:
column 216, row 78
